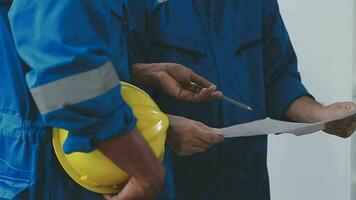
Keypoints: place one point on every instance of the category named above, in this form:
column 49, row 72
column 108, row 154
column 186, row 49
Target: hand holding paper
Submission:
column 186, row 137
column 270, row 126
column 343, row 128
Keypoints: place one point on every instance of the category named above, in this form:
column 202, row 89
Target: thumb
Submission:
column 217, row 138
column 345, row 107
column 180, row 73
column 208, row 136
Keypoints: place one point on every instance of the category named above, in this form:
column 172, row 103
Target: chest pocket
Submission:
column 247, row 41
column 247, row 53
column 170, row 47
column 248, row 71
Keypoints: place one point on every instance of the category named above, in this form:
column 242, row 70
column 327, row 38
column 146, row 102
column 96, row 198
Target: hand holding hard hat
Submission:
column 94, row 171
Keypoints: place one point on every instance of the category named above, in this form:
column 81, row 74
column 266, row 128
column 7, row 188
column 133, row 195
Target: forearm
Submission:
column 134, row 155
column 304, row 109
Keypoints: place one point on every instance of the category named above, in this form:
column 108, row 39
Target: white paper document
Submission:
column 270, row 126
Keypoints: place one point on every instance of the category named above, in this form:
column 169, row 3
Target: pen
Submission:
column 224, row 98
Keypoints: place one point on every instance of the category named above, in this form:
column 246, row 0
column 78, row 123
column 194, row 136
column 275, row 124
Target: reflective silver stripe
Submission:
column 75, row 89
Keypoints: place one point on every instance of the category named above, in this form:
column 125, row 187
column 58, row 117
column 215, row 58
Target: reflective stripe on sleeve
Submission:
column 75, row 89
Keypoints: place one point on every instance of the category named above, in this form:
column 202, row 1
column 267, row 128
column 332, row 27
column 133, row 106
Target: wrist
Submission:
column 320, row 114
column 316, row 113
column 307, row 110
column 173, row 119
column 148, row 74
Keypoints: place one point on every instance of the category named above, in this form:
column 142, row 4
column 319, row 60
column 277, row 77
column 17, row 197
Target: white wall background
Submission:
column 317, row 166
column 353, row 144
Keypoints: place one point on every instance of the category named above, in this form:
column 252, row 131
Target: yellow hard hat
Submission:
column 94, row 171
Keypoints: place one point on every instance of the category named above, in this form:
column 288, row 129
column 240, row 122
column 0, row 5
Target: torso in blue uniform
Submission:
column 43, row 43
column 243, row 47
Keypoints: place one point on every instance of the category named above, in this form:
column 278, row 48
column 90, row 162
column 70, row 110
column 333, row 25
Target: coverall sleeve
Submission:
column 71, row 78
column 283, row 81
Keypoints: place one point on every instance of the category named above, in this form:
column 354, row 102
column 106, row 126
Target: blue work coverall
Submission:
column 60, row 63
column 243, row 47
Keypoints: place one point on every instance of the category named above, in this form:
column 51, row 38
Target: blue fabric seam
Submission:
column 14, row 168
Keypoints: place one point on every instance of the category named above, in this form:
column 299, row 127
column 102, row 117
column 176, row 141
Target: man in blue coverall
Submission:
column 59, row 67
column 243, row 47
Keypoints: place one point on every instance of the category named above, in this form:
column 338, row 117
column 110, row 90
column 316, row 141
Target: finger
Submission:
column 200, row 80
column 349, row 132
column 350, row 106
column 344, row 133
column 208, row 129
column 199, row 143
column 194, row 150
column 347, row 122
column 212, row 93
column 217, row 138
column 200, row 95
column 194, row 97
column 205, row 96
column 336, row 132
column 211, row 89
column 352, row 131
column 353, row 117
column 203, row 93
column 188, row 150
column 186, row 95
column 209, row 138
column 193, row 89
column 216, row 95
column 173, row 88
column 354, row 125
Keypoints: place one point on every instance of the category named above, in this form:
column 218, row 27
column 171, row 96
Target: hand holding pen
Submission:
column 225, row 98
